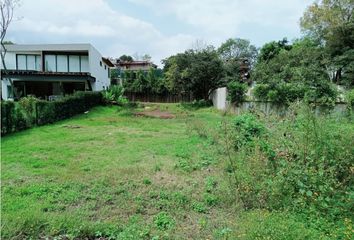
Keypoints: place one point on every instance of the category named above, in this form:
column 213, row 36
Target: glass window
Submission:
column 50, row 63
column 38, row 63
column 74, row 63
column 62, row 63
column 21, row 62
column 84, row 64
column 31, row 62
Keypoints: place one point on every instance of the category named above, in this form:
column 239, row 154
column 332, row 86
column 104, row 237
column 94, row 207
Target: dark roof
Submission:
column 108, row 62
column 59, row 75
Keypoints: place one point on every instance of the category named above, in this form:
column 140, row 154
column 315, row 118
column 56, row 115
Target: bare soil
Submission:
column 156, row 114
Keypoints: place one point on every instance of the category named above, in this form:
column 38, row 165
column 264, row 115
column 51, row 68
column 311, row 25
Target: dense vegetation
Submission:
column 307, row 68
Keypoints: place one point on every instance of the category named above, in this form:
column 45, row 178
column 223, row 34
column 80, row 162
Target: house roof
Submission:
column 108, row 62
column 49, row 47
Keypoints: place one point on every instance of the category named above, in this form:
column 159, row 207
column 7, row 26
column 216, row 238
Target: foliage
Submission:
column 194, row 72
column 126, row 58
column 301, row 165
column 150, row 82
column 238, row 57
column 294, row 74
column 236, row 91
column 115, row 93
column 237, row 48
column 331, row 23
column 163, row 221
column 12, row 118
column 350, row 98
column 272, row 49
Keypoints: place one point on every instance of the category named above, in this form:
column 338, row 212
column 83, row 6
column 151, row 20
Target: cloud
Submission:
column 115, row 33
column 225, row 17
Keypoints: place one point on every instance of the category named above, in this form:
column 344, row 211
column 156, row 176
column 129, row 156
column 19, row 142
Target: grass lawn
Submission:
column 109, row 173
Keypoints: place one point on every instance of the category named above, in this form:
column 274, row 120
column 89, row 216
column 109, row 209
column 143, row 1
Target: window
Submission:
column 62, row 63
column 21, row 62
column 66, row 63
column 28, row 62
column 101, row 63
column 74, row 63
column 9, row 91
column 50, row 63
column 84, row 64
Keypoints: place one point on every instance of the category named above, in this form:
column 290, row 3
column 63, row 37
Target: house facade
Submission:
column 51, row 70
column 134, row 65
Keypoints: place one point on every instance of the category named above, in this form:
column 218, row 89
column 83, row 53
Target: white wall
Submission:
column 97, row 71
column 219, row 98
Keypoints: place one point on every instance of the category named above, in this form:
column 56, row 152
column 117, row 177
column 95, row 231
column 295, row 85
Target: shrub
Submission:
column 28, row 106
column 115, row 94
column 236, row 91
column 163, row 221
column 350, row 99
column 247, row 127
column 79, row 102
column 29, row 111
column 199, row 207
column 12, row 118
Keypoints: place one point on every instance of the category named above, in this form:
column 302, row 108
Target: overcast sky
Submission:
column 159, row 28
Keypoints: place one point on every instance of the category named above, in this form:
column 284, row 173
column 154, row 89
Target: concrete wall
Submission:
column 219, row 98
column 98, row 71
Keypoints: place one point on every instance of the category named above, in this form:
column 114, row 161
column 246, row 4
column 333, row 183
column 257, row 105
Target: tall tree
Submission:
column 126, row 58
column 194, row 72
column 7, row 8
column 238, row 56
column 331, row 23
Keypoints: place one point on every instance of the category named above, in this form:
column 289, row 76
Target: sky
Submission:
column 159, row 28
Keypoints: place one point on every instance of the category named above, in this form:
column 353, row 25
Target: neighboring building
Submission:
column 50, row 70
column 121, row 66
column 134, row 65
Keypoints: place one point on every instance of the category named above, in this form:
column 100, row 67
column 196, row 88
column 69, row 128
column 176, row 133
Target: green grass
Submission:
column 109, row 173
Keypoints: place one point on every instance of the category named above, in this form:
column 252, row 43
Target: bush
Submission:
column 247, row 127
column 303, row 163
column 115, row 94
column 236, row 92
column 79, row 102
column 29, row 111
column 163, row 221
column 12, row 118
column 350, row 98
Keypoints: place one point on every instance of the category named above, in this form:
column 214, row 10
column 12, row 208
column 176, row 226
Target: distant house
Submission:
column 50, row 70
column 134, row 65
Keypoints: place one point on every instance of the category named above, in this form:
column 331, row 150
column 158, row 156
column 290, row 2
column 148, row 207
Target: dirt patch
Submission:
column 72, row 126
column 155, row 114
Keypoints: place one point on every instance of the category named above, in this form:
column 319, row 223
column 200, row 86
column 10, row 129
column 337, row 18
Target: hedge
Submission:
column 13, row 116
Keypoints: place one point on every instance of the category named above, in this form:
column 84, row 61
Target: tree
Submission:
column 238, row 56
column 126, row 58
column 295, row 74
column 272, row 49
column 194, row 72
column 7, row 11
column 331, row 24
column 146, row 57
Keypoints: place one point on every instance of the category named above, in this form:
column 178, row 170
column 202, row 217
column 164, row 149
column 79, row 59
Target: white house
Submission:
column 47, row 70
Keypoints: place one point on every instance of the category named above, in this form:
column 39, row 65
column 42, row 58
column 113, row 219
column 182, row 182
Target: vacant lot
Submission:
column 113, row 174
column 110, row 172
